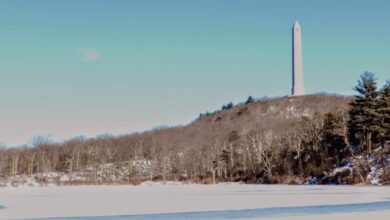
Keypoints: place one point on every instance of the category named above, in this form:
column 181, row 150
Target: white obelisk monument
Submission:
column 297, row 66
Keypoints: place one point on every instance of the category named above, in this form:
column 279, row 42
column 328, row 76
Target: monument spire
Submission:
column 297, row 65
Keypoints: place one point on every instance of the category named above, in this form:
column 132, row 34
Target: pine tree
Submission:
column 382, row 128
column 363, row 113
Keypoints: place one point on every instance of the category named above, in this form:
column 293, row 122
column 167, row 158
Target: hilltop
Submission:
column 273, row 113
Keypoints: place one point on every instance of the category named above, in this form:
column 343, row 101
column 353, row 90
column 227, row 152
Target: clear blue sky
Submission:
column 71, row 68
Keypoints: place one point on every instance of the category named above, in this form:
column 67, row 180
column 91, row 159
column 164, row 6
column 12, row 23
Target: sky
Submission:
column 71, row 68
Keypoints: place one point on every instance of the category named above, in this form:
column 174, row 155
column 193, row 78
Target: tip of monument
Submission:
column 296, row 23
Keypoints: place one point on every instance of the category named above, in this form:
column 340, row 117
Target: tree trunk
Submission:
column 369, row 144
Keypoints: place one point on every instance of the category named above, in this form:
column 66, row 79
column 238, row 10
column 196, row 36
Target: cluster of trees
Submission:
column 227, row 106
column 269, row 141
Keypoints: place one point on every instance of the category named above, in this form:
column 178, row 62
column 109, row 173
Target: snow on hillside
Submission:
column 338, row 175
column 106, row 171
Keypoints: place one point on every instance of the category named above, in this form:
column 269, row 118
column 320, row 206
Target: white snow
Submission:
column 65, row 201
column 340, row 170
column 374, row 175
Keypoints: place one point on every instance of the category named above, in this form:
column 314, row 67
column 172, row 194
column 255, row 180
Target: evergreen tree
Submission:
column 227, row 106
column 334, row 142
column 382, row 128
column 250, row 100
column 363, row 113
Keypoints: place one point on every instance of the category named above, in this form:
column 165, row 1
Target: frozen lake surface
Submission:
column 182, row 201
column 264, row 213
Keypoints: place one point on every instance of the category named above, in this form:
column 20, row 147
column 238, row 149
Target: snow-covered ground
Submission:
column 250, row 201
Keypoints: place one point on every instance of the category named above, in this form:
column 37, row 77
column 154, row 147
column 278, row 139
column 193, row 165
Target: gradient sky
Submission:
column 70, row 68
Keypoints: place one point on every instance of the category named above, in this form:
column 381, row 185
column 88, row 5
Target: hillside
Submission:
column 269, row 114
column 277, row 140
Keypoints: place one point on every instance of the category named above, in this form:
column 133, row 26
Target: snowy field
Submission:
column 181, row 201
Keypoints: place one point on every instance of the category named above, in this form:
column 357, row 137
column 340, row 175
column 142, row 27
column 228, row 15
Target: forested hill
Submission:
column 245, row 142
column 306, row 139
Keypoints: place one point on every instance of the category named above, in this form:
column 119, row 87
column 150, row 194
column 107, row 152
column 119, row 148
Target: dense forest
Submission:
column 295, row 140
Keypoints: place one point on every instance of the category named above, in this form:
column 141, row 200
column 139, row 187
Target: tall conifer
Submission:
column 363, row 114
column 382, row 127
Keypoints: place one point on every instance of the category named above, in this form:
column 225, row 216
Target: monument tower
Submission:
column 297, row 66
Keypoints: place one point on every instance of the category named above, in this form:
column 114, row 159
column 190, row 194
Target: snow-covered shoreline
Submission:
column 149, row 197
